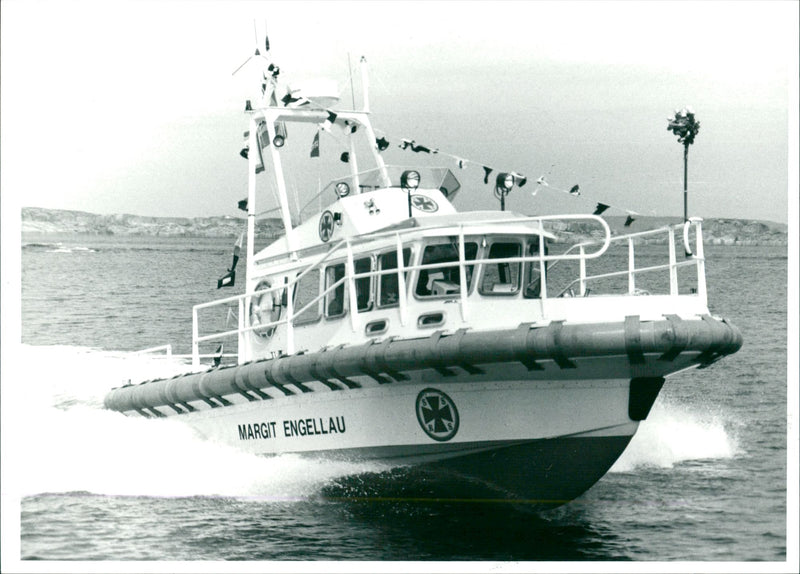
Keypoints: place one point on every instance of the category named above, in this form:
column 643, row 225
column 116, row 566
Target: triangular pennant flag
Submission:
column 520, row 180
column 405, row 143
column 227, row 280
column 329, row 121
column 576, row 190
column 246, row 149
column 601, row 207
column 419, row 148
column 315, row 145
column 345, row 157
column 628, row 221
column 243, row 204
column 541, row 181
column 462, row 163
column 487, row 170
column 382, row 144
column 218, row 358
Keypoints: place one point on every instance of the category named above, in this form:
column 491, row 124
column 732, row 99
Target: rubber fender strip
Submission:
column 722, row 342
column 188, row 407
column 436, row 356
column 274, row 383
column 176, row 409
column 519, row 343
column 262, row 394
column 680, row 339
column 734, row 339
column 144, row 414
column 453, row 343
column 330, row 368
column 314, row 371
column 244, row 374
column 368, row 366
column 383, row 365
column 248, row 396
column 554, row 346
column 223, row 400
column 633, row 340
column 284, row 368
column 241, row 376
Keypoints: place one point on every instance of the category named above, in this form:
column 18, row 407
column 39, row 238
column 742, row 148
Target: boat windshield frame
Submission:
column 441, row 178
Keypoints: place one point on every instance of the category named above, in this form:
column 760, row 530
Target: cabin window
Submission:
column 306, row 290
column 334, row 300
column 532, row 279
column 388, row 288
column 502, row 277
column 445, row 280
column 363, row 284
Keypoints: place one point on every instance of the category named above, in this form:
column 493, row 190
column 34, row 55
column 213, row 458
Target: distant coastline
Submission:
column 42, row 221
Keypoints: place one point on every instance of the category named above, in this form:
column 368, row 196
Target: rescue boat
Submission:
column 480, row 354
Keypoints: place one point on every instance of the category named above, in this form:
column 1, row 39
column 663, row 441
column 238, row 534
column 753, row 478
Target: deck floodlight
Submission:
column 409, row 180
column 505, row 181
column 342, row 189
column 503, row 185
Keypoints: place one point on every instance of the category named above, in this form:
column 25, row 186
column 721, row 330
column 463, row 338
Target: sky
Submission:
column 131, row 107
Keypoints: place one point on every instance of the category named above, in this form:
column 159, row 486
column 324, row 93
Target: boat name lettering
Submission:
column 253, row 431
column 306, row 427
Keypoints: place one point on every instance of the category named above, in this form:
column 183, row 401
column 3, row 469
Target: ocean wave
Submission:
column 674, row 433
column 65, row 441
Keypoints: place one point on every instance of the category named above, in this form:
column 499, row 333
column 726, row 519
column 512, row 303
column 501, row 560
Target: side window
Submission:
column 438, row 281
column 388, row 288
column 363, row 284
column 532, row 279
column 501, row 278
column 334, row 300
column 306, row 290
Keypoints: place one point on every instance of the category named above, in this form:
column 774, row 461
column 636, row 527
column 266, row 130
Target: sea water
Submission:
column 704, row 479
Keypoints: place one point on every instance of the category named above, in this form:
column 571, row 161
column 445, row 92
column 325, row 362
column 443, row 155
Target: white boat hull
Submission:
column 551, row 440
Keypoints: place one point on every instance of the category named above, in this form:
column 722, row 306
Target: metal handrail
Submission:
column 401, row 269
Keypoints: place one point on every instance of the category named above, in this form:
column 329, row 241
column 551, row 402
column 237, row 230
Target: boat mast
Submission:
column 368, row 125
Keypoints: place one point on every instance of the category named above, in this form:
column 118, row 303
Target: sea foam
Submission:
column 67, row 442
column 674, row 433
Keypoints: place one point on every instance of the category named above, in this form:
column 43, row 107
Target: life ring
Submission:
column 265, row 308
column 686, row 227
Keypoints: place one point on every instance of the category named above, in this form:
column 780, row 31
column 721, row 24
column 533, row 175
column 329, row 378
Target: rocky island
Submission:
column 37, row 220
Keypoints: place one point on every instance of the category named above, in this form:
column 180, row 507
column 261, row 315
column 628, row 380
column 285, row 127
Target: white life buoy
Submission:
column 265, row 308
column 686, row 227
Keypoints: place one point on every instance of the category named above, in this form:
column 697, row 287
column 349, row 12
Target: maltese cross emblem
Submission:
column 424, row 203
column 437, row 414
column 326, row 226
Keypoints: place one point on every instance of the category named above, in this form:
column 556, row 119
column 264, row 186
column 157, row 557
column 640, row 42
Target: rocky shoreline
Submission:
column 36, row 220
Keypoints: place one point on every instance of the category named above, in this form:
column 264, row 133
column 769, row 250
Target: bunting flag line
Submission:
column 520, row 180
column 315, row 145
